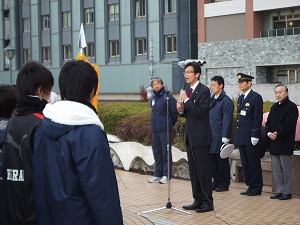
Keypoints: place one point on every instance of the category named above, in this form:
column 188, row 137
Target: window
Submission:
column 46, row 54
column 67, row 52
column 25, row 0
column 26, row 25
column 287, row 76
column 141, row 46
column 46, row 22
column 89, row 15
column 286, row 25
column 66, row 19
column 113, row 12
column 89, row 50
column 26, row 55
column 140, row 8
column 170, row 6
column 170, row 43
column 114, row 49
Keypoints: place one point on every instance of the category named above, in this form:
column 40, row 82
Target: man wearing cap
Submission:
column 220, row 117
column 247, row 134
column 164, row 115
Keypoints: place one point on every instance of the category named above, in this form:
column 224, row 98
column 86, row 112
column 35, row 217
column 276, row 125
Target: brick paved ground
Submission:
column 137, row 196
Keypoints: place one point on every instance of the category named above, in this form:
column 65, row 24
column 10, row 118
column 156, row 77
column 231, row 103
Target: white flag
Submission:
column 81, row 38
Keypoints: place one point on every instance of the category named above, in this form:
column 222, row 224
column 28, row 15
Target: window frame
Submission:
column 66, row 19
column 141, row 46
column 89, row 15
column 46, row 54
column 140, row 8
column 113, row 12
column 26, row 25
column 89, row 50
column 26, row 55
column 67, row 52
column 170, row 6
column 170, row 49
column 114, row 49
column 45, row 22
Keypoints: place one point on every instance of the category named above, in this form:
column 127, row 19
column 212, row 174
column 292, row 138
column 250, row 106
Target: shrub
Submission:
column 143, row 94
column 112, row 113
column 130, row 121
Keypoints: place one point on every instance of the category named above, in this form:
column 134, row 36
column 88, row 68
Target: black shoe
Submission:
column 276, row 196
column 253, row 193
column 205, row 208
column 193, row 206
column 244, row 192
column 221, row 189
column 285, row 197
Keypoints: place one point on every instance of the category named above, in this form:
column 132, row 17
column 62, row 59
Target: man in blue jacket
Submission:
column 73, row 175
column 220, row 118
column 163, row 117
column 247, row 134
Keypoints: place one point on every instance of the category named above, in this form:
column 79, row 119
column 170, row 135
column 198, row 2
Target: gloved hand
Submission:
column 254, row 141
column 225, row 140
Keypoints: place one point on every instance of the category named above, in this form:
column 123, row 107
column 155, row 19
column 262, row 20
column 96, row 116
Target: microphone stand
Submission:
column 169, row 204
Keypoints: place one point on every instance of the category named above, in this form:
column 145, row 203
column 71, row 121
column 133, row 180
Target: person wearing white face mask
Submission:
column 281, row 129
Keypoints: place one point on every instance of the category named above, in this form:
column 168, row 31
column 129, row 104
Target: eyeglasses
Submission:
column 188, row 72
column 48, row 92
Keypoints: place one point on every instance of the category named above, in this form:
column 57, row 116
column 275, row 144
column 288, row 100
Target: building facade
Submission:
column 131, row 40
column 256, row 37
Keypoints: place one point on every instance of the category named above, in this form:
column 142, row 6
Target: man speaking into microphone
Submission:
column 194, row 106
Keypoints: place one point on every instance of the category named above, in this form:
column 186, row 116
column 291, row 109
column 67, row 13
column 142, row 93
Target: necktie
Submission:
column 191, row 93
column 243, row 97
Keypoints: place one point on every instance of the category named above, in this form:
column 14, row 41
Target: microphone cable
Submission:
column 197, row 170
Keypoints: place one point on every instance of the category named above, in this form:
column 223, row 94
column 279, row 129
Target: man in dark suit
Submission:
column 195, row 108
column 247, row 134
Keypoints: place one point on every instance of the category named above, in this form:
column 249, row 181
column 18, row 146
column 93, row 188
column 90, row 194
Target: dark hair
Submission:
column 219, row 80
column 157, row 79
column 77, row 80
column 196, row 66
column 282, row 85
column 31, row 76
column 8, row 100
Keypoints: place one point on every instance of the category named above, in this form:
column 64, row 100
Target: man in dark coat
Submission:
column 247, row 134
column 281, row 129
column 220, row 117
column 195, row 108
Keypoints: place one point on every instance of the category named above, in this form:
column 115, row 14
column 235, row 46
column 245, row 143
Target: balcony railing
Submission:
column 280, row 32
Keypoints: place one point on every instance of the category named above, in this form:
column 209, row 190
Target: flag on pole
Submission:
column 81, row 56
column 81, row 38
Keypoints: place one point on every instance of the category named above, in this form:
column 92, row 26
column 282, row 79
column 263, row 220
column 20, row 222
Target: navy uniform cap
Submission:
column 244, row 77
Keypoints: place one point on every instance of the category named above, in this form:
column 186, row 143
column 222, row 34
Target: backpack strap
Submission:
column 39, row 115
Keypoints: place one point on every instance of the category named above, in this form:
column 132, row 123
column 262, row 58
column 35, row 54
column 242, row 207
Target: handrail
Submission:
column 280, row 32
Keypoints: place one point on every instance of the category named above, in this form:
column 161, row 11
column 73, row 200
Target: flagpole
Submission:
column 80, row 56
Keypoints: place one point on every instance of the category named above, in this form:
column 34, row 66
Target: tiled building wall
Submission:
column 230, row 57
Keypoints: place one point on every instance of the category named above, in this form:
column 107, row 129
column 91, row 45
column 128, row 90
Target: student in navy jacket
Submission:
column 34, row 84
column 8, row 102
column 220, row 117
column 74, row 180
column 247, row 134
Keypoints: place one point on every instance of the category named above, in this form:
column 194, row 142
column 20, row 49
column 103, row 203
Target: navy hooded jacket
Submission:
column 73, row 175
